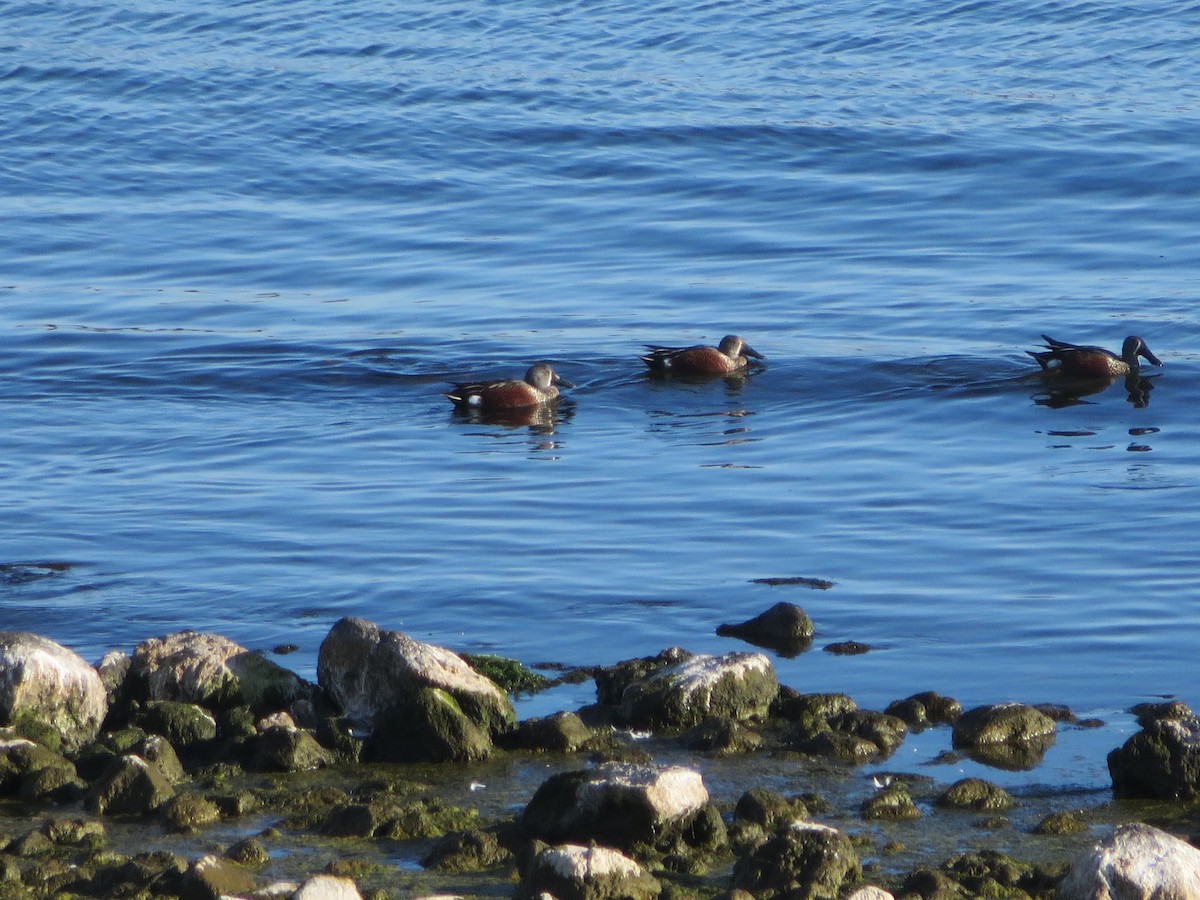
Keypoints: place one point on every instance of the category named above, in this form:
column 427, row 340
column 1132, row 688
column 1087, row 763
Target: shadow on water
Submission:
column 542, row 420
column 1061, row 392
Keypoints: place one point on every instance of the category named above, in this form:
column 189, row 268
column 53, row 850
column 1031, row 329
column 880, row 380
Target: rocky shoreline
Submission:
column 195, row 768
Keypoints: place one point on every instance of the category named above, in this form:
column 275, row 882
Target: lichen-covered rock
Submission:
column 574, row 872
column 180, row 723
column 926, row 708
column 804, row 861
column 1005, row 735
column 130, row 786
column 472, row 850
column 1136, row 862
column 45, row 682
column 739, row 686
column 893, row 804
column 212, row 671
column 784, row 627
column 615, row 804
column 368, row 671
column 283, row 749
column 975, row 794
column 1162, row 761
column 212, row 877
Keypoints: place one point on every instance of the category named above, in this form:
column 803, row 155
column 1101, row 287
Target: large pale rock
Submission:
column 369, row 671
column 1137, row 862
column 805, row 861
column 615, row 804
column 738, row 686
column 327, row 887
column 574, row 872
column 211, row 671
column 1162, row 761
column 46, row 682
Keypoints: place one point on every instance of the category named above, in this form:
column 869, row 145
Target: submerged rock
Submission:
column 45, row 683
column 804, row 861
column 616, row 804
column 432, row 705
column 1005, row 735
column 784, row 627
column 1161, row 761
column 574, row 872
column 738, row 686
column 1137, row 862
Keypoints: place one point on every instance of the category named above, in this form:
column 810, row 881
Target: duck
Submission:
column 1078, row 361
column 727, row 358
column 540, row 385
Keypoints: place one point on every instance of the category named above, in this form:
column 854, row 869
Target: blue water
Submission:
column 247, row 246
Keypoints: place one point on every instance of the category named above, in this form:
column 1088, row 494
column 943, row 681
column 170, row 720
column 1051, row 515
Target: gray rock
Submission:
column 327, row 887
column 1137, row 862
column 212, row 671
column 49, row 684
column 130, row 786
column 1162, row 761
column 738, row 686
column 368, row 671
column 804, row 861
column 615, row 804
column 574, row 872
column 212, row 877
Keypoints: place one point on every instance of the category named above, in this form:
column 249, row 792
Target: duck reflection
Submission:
column 541, row 420
column 1063, row 392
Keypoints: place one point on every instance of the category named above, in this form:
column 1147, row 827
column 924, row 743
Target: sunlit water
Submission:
column 247, row 247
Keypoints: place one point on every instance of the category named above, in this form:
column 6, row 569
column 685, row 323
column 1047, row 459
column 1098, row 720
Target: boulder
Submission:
column 738, row 686
column 180, row 723
column 327, row 887
column 370, row 672
column 130, row 786
column 975, row 794
column 48, row 684
column 574, row 872
column 616, row 804
column 925, row 709
column 1162, row 761
column 288, row 749
column 1005, row 735
column 212, row 877
column 893, row 804
column 562, row 732
column 26, row 769
column 472, row 850
column 804, row 861
column 211, row 671
column 869, row 892
column 785, row 628
column 1137, row 862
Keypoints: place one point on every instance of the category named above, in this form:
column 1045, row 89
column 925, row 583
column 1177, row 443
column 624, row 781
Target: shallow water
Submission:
column 247, row 247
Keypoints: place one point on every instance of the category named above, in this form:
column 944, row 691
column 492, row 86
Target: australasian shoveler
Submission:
column 726, row 359
column 540, row 385
column 1076, row 361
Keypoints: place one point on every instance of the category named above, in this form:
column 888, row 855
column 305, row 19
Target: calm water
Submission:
column 248, row 245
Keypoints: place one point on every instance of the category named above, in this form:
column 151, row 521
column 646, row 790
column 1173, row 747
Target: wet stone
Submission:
column 975, row 794
column 890, row 804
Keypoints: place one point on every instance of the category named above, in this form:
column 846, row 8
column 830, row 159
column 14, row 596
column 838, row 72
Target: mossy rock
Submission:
column 891, row 804
column 975, row 794
column 1060, row 823
column 180, row 723
column 188, row 813
column 510, row 675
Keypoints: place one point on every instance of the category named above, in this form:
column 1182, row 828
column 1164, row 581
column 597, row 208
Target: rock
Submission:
column 188, row 813
column 803, row 861
column 130, row 786
column 806, row 708
column 212, row 877
column 368, row 671
column 248, row 852
column 1137, row 862
column 46, row 683
column 891, row 804
column 155, row 748
column 768, row 809
column 562, row 732
column 390, row 817
column 869, row 892
column 31, row 771
column 1061, row 823
column 428, row 725
column 211, row 671
column 112, row 669
column 615, row 804
column 180, row 723
column 1162, row 761
column 612, row 681
column 722, row 736
column 784, row 627
column 574, row 872
column 926, row 708
column 975, row 794
column 1005, row 735
column 739, row 686
column 283, row 749
column 327, row 887
column 467, row 851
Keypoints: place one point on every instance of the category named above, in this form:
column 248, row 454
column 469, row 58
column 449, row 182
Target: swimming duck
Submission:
column 1092, row 362
column 540, row 385
column 728, row 357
